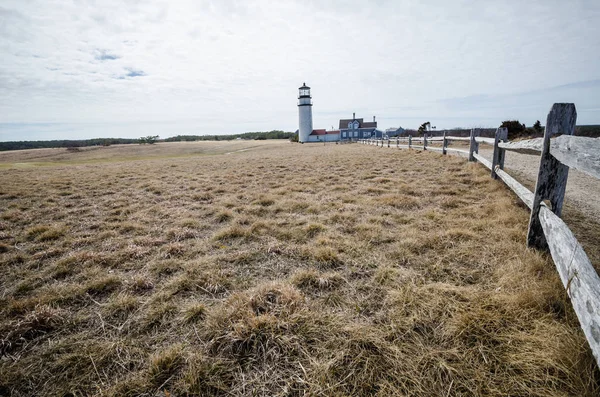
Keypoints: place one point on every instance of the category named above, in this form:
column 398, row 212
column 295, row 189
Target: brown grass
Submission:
column 284, row 269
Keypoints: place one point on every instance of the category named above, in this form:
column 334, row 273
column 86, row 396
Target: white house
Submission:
column 324, row 136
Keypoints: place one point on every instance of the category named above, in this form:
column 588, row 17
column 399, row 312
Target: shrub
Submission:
column 515, row 128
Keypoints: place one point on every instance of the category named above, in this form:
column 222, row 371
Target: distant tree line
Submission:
column 515, row 130
column 275, row 134
column 72, row 144
column 592, row 131
column 21, row 145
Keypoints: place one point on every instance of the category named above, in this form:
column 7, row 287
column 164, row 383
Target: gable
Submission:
column 361, row 123
column 344, row 122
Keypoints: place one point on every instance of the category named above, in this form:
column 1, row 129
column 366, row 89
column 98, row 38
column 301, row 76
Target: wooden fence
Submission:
column 546, row 231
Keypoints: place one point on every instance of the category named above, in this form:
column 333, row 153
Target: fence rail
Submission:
column 546, row 230
column 489, row 141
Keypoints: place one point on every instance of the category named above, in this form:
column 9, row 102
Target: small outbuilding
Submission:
column 324, row 136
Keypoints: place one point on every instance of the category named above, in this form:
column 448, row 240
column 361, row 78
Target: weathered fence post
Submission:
column 398, row 141
column 424, row 141
column 474, row 146
column 388, row 142
column 444, row 144
column 410, row 141
column 498, row 156
column 552, row 176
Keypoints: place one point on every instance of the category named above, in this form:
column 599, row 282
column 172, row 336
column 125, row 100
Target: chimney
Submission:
column 373, row 118
column 353, row 116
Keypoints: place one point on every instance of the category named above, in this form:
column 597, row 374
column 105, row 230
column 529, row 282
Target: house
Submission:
column 393, row 132
column 324, row 136
column 354, row 129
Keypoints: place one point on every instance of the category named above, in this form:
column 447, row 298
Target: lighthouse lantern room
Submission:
column 305, row 113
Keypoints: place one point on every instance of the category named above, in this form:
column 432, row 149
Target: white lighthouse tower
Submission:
column 305, row 113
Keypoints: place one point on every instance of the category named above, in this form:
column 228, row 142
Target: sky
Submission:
column 77, row 69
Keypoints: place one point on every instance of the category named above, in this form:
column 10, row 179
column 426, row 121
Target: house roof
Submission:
column 394, row 129
column 361, row 123
column 344, row 122
column 324, row 132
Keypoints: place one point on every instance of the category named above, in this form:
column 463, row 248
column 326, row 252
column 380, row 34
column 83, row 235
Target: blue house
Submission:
column 353, row 129
column 393, row 132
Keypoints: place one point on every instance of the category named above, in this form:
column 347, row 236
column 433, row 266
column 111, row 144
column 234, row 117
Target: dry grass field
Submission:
column 275, row 269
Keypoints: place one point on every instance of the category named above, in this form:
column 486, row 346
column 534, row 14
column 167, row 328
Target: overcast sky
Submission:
column 84, row 68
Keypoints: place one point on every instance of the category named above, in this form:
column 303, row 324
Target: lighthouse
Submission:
column 305, row 113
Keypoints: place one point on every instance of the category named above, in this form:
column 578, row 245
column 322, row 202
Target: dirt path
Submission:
column 583, row 191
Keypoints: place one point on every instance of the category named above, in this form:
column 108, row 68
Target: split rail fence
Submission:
column 547, row 231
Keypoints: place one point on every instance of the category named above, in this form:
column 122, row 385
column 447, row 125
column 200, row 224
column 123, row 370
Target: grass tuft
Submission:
column 37, row 323
column 311, row 279
column 164, row 365
column 194, row 313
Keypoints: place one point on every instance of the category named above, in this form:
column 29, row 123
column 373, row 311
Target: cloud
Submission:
column 104, row 55
column 135, row 73
column 236, row 65
column 13, row 24
column 131, row 73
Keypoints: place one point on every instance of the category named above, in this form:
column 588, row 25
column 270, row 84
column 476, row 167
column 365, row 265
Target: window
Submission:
column 355, row 134
column 355, row 125
column 344, row 134
column 350, row 124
